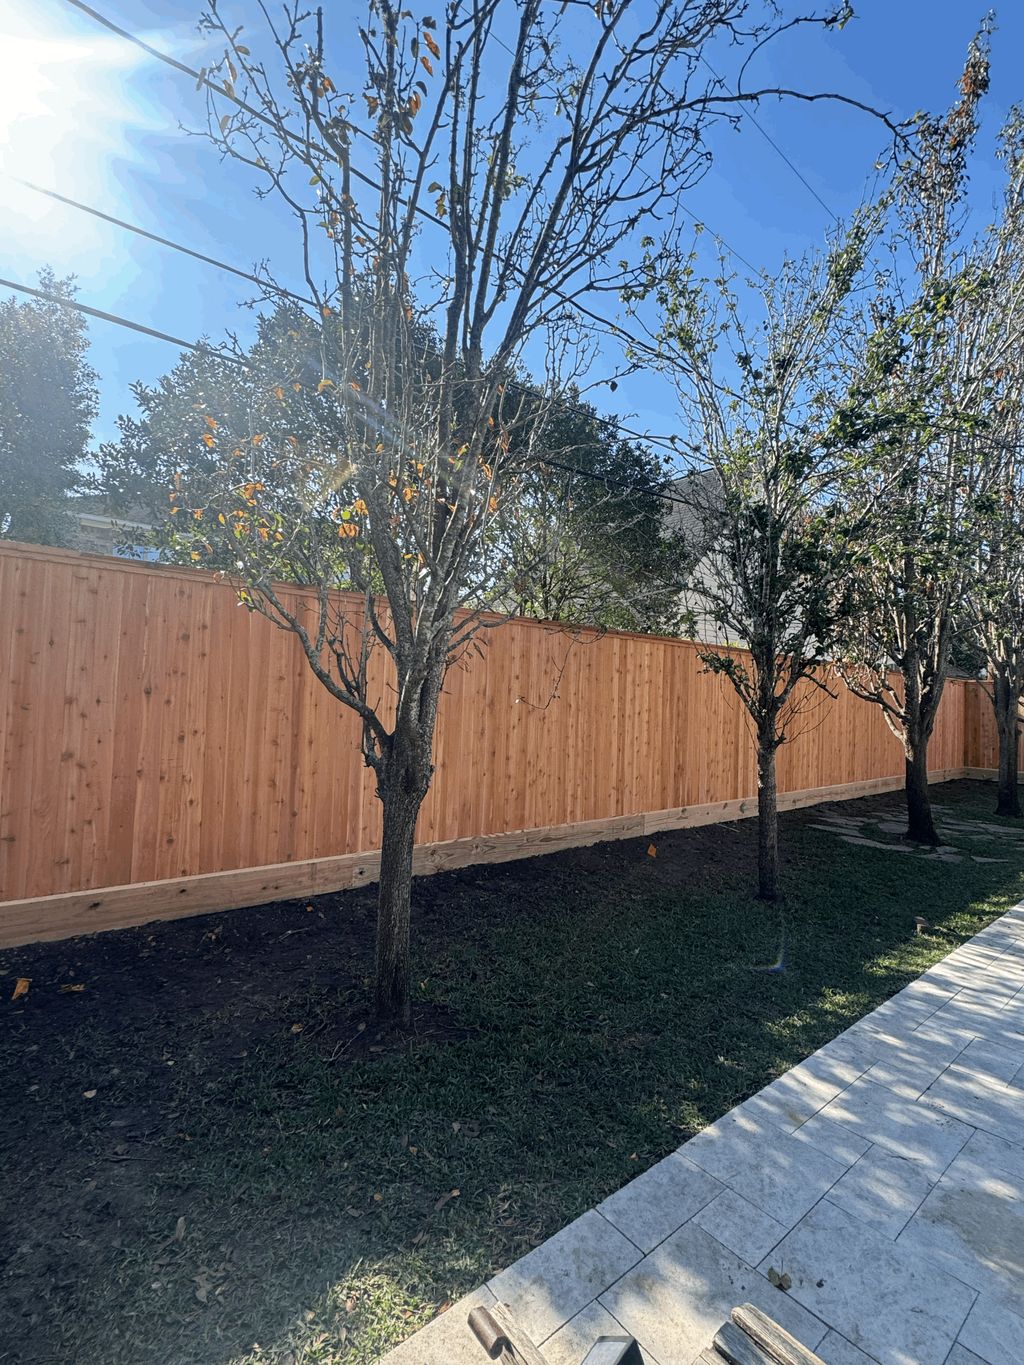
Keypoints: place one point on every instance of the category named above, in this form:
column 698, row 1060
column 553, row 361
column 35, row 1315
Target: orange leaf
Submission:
column 21, row 987
column 434, row 49
column 425, row 63
column 208, row 440
column 211, row 422
column 652, row 850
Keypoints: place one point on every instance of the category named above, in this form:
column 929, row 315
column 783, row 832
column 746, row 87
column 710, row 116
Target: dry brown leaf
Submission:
column 652, row 850
column 21, row 987
column 66, row 990
column 88, row 1094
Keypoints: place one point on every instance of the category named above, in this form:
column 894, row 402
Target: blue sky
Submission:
column 87, row 114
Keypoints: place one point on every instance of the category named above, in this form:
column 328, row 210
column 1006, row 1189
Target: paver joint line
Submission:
column 884, row 1175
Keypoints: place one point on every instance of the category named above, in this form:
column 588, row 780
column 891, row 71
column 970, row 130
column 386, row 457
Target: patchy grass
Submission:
column 259, row 1179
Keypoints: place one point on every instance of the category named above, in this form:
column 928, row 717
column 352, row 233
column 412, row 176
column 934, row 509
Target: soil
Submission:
column 119, row 1035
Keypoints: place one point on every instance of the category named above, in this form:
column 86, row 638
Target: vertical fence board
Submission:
column 154, row 729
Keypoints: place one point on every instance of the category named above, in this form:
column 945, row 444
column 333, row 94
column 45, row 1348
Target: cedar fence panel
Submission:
column 163, row 751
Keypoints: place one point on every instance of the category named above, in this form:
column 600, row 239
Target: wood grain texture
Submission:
column 46, row 918
column 154, row 731
column 776, row 1343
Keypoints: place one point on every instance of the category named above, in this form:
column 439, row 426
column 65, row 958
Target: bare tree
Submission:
column 765, row 548
column 512, row 155
column 920, row 399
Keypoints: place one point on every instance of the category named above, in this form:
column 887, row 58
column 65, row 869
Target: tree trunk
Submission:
column 1004, row 701
column 767, row 822
column 394, row 903
column 920, row 822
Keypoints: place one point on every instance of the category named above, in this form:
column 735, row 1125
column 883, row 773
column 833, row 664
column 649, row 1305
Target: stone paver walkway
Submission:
column 884, row 1176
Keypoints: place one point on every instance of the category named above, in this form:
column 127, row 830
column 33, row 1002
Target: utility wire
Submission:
column 688, row 211
column 254, row 279
column 48, row 297
column 162, row 241
column 196, row 346
column 306, row 144
column 773, row 144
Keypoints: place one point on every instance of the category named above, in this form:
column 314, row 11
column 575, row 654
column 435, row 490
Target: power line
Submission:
column 49, row 297
column 162, row 241
column 287, row 293
column 773, row 144
column 281, row 130
column 201, row 78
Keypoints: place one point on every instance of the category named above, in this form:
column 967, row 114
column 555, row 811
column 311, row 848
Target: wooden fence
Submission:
column 165, row 752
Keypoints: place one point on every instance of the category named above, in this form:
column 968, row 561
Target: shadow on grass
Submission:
column 252, row 1181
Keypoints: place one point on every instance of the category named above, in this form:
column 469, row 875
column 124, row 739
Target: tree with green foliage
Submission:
column 167, row 453
column 764, row 546
column 583, row 541
column 586, row 538
column 994, row 610
column 532, row 159
column 48, row 400
column 917, row 417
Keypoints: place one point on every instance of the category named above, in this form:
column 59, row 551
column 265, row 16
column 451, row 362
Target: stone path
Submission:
column 884, row 1176
column 884, row 829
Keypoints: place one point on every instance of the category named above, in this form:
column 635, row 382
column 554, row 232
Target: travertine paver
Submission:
column 672, row 1301
column 740, row 1226
column 836, row 1350
column 571, row 1343
column 883, row 1190
column 993, row 1332
column 659, row 1201
column 972, row 1224
column 777, row 1171
column 552, row 1284
column 884, row 1176
column 894, row 1303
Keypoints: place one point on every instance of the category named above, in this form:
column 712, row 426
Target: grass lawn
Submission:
column 207, row 1157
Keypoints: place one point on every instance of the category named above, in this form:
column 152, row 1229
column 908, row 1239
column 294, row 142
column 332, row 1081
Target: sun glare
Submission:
column 63, row 111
